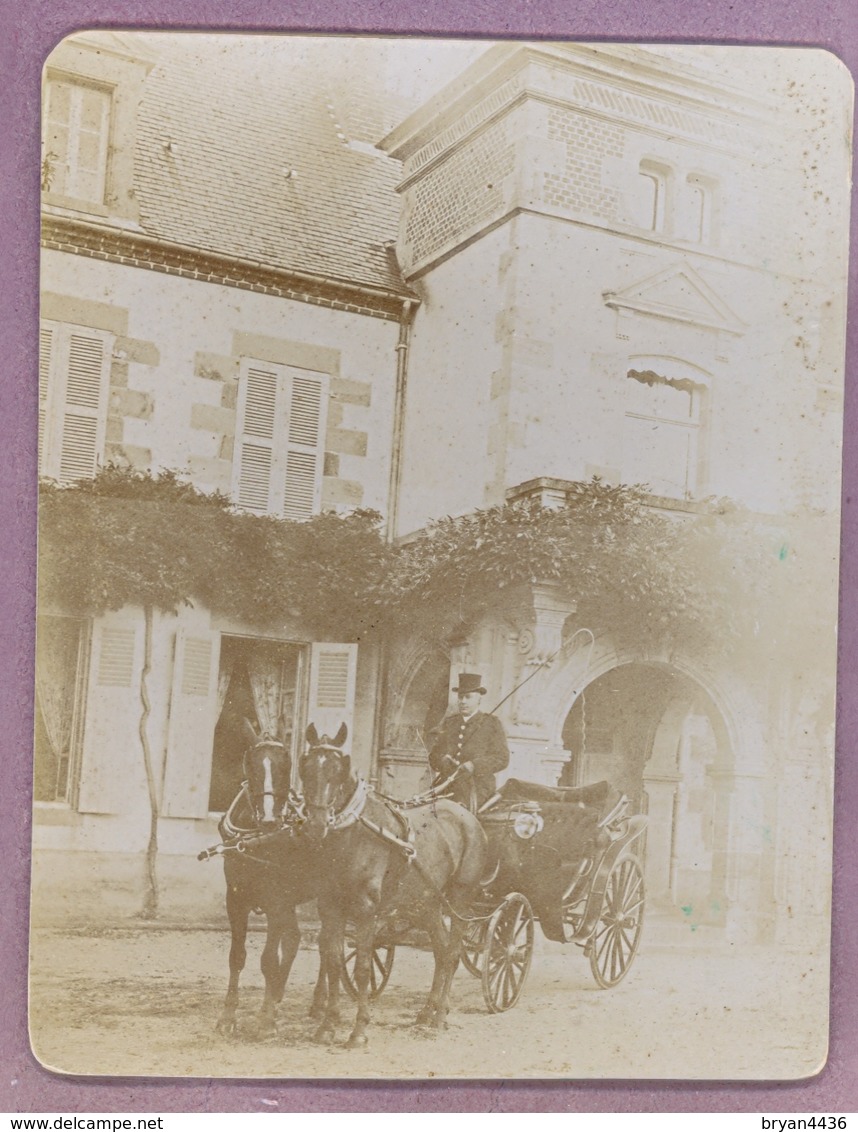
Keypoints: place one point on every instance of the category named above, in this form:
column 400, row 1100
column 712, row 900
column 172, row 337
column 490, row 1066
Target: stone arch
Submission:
column 417, row 697
column 694, row 759
column 740, row 714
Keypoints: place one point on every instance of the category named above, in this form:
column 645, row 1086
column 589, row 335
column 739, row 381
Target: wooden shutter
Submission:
column 74, row 372
column 82, row 416
column 280, row 440
column 305, row 445
column 259, row 406
column 46, row 339
column 111, row 755
column 332, row 688
column 193, row 715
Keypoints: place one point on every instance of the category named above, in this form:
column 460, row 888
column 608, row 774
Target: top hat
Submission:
column 470, row 682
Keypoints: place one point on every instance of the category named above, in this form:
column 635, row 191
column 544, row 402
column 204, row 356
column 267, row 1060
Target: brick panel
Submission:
column 460, row 192
column 589, row 142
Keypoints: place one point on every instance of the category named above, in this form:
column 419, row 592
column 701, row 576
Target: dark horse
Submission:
column 268, row 869
column 376, row 862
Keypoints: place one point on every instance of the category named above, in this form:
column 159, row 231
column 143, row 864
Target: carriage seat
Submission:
column 594, row 795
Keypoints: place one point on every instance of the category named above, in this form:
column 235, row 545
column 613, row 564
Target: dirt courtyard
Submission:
column 144, row 1001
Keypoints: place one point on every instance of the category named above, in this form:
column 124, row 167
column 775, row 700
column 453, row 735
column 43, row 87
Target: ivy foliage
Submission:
column 130, row 538
column 722, row 579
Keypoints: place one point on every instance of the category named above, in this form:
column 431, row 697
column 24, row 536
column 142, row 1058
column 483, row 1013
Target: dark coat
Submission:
column 479, row 740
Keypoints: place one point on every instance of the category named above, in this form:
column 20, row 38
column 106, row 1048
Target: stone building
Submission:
column 569, row 262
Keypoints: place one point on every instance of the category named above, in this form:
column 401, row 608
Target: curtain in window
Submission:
column 264, row 670
column 56, row 671
column 227, row 667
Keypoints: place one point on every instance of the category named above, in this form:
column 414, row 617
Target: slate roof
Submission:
column 268, row 159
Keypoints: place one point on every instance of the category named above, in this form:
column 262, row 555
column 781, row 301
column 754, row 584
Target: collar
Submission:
column 353, row 809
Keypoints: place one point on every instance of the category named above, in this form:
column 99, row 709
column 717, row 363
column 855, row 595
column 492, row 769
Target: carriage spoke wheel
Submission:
column 380, row 968
column 472, row 946
column 617, row 934
column 507, row 953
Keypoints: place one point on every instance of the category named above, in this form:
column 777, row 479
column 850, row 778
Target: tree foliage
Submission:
column 721, row 579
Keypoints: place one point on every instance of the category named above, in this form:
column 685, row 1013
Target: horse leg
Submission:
column 281, row 946
column 451, row 954
column 331, row 936
column 238, row 912
column 365, row 944
column 431, row 1014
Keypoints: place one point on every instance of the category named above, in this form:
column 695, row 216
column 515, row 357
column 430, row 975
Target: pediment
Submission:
column 680, row 294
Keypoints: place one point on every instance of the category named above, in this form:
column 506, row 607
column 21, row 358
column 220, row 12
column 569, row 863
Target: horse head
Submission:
column 326, row 779
column 268, row 772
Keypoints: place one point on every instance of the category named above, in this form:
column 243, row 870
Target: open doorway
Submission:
column 656, row 735
column 259, row 681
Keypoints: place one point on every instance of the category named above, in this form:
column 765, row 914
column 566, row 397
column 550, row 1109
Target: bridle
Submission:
column 269, row 814
column 336, row 816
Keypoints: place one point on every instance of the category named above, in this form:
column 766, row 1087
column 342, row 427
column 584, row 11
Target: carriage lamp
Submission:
column 526, row 825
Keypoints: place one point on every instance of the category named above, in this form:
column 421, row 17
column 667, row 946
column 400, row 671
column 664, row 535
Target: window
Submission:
column 75, row 144
column 280, row 435
column 660, row 441
column 60, row 644
column 653, row 186
column 700, row 209
column 74, row 369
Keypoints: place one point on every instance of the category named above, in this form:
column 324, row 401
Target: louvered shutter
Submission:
column 82, row 413
column 332, row 688
column 305, row 445
column 193, row 715
column 74, row 372
column 46, row 340
column 259, row 406
column 111, row 754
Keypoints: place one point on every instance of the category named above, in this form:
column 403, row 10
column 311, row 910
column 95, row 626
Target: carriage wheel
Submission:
column 617, row 935
column 507, row 953
column 473, row 944
column 380, row 968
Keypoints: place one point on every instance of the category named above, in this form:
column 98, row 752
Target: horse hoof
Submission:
column 357, row 1041
column 227, row 1026
column 423, row 1018
column 266, row 1029
column 316, row 1012
column 323, row 1036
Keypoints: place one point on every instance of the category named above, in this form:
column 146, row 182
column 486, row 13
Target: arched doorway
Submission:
column 657, row 735
column 419, row 699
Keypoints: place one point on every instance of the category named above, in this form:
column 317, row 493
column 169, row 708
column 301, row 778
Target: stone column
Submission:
column 534, row 756
column 660, row 787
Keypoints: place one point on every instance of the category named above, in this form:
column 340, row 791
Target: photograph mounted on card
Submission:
column 439, row 451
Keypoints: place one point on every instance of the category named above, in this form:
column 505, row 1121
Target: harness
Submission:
column 353, row 813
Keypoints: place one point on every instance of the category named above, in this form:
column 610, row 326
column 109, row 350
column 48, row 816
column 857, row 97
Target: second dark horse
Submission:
column 375, row 862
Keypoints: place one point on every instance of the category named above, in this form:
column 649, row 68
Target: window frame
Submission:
column 69, row 195
column 693, row 425
column 659, row 175
column 68, row 799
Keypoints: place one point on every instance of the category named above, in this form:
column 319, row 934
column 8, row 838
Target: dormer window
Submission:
column 76, row 136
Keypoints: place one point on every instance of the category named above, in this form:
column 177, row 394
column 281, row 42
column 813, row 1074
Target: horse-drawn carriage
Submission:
column 561, row 857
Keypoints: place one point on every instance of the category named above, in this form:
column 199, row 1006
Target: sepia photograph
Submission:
column 439, row 516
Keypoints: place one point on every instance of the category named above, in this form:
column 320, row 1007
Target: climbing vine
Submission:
column 722, row 578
